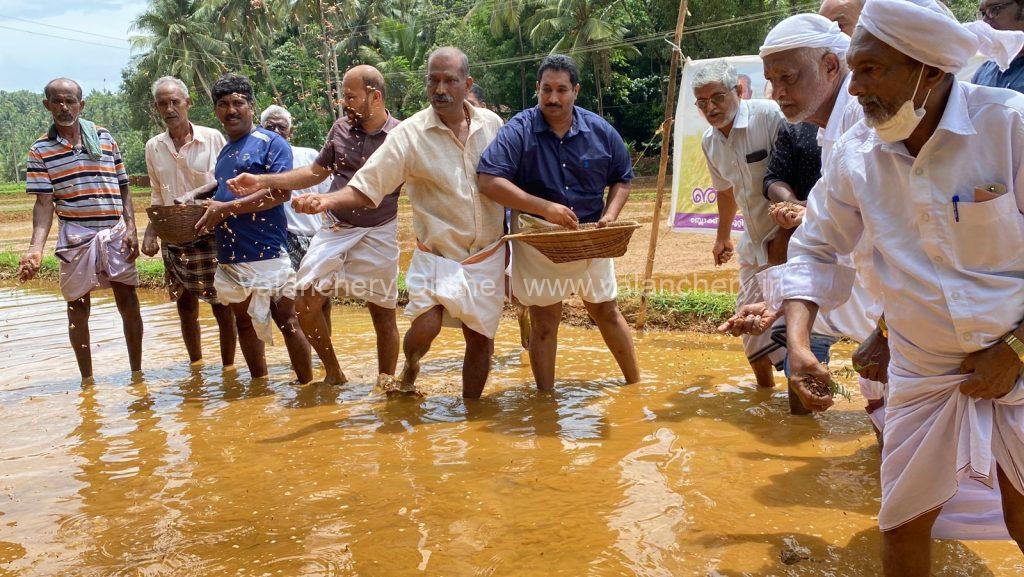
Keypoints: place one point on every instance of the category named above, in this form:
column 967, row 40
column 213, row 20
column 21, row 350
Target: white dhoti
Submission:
column 472, row 292
column 538, row 281
column 265, row 281
column 757, row 347
column 360, row 263
column 91, row 259
column 942, row 448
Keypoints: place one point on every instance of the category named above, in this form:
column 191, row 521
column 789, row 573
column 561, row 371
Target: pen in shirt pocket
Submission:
column 956, row 207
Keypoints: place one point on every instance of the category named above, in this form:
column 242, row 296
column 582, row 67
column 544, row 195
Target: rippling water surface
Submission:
column 198, row 471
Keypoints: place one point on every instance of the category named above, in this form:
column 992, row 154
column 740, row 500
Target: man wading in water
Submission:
column 75, row 170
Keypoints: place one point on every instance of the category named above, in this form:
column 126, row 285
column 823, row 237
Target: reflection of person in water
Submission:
column 746, row 89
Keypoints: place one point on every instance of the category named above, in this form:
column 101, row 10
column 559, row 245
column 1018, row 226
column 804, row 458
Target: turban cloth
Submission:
column 805, row 31
column 925, row 31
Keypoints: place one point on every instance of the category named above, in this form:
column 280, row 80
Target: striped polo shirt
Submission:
column 85, row 191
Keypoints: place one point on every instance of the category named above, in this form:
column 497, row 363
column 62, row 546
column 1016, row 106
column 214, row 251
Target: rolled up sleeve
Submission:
column 385, row 170
column 501, row 158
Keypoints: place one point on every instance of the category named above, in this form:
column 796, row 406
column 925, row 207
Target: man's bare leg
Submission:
column 418, row 338
column 228, row 334
column 253, row 349
column 283, row 312
column 477, row 363
column 544, row 343
column 617, row 337
column 1013, row 509
column 328, row 303
column 78, row 332
column 764, row 372
column 188, row 316
column 385, row 325
column 131, row 320
column 907, row 549
column 310, row 309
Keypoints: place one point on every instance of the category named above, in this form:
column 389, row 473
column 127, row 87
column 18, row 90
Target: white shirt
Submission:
column 952, row 279
column 449, row 215
column 305, row 224
column 739, row 162
column 173, row 172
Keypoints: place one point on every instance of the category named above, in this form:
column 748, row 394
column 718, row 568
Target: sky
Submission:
column 30, row 56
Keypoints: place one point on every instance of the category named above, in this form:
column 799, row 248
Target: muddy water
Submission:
column 197, row 471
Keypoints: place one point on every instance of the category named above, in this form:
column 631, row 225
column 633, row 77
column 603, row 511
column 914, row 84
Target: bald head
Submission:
column 845, row 13
column 363, row 93
column 62, row 85
column 448, row 54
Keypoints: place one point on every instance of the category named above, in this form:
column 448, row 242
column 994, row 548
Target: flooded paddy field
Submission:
column 199, row 471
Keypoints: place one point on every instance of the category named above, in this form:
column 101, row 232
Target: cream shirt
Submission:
column 951, row 278
column 449, row 215
column 739, row 161
column 172, row 172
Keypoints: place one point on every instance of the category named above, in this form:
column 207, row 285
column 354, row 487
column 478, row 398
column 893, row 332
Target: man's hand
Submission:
column 215, row 214
column 805, row 371
column 309, row 204
column 752, row 319
column 605, row 221
column 150, row 244
column 131, row 244
column 993, row 372
column 29, row 265
column 245, row 184
column 561, row 215
column 787, row 214
column 871, row 359
column 723, row 251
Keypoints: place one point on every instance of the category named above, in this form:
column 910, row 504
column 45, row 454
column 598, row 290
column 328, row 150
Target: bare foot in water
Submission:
column 339, row 379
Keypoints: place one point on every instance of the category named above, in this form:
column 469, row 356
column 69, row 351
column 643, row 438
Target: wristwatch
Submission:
column 1015, row 344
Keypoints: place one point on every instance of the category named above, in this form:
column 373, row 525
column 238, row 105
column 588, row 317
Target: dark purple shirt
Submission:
column 346, row 150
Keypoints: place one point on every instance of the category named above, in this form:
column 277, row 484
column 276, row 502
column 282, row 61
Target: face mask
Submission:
column 905, row 121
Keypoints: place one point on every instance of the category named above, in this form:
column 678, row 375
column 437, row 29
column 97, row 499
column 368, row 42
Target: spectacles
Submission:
column 991, row 12
column 716, row 99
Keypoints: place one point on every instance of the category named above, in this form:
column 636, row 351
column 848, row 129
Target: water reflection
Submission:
column 202, row 471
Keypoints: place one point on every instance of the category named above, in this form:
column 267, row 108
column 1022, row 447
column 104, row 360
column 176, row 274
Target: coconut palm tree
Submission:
column 577, row 24
column 252, row 23
column 506, row 18
column 177, row 37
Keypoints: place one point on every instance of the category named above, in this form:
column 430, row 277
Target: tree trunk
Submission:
column 203, row 83
column 263, row 63
column 597, row 83
column 522, row 68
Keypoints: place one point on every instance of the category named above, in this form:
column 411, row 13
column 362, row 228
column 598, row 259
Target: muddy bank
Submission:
column 689, row 310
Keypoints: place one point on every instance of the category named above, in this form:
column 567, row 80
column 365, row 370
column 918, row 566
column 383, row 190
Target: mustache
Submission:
column 442, row 98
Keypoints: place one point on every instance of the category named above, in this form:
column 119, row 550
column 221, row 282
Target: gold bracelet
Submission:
column 1015, row 344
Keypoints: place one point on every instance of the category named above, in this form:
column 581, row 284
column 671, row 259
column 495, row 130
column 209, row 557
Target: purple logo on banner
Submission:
column 706, row 220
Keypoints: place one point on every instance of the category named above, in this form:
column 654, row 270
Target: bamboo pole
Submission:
column 666, row 136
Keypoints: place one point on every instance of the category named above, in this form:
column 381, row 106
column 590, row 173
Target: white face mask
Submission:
column 902, row 124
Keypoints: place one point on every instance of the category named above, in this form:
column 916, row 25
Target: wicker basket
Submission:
column 566, row 245
column 176, row 223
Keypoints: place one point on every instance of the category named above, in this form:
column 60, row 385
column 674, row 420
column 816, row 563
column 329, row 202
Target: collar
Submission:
column 579, row 122
column 955, row 119
column 741, row 120
column 52, row 134
column 389, row 124
column 434, row 121
column 834, row 129
column 197, row 136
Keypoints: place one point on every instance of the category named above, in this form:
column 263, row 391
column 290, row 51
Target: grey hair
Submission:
column 275, row 110
column 169, row 80
column 451, row 52
column 716, row 71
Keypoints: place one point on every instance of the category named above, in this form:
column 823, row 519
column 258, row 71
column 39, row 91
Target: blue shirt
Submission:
column 258, row 235
column 573, row 171
column 1013, row 78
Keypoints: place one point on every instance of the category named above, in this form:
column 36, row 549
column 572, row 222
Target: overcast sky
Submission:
column 31, row 57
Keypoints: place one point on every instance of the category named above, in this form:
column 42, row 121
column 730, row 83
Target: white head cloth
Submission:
column 926, row 31
column 805, row 31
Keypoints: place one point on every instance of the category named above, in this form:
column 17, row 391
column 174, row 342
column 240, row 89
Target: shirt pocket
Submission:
column 593, row 174
column 987, row 236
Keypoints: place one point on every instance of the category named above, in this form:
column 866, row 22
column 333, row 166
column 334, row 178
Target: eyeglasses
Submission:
column 716, row 99
column 991, row 12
